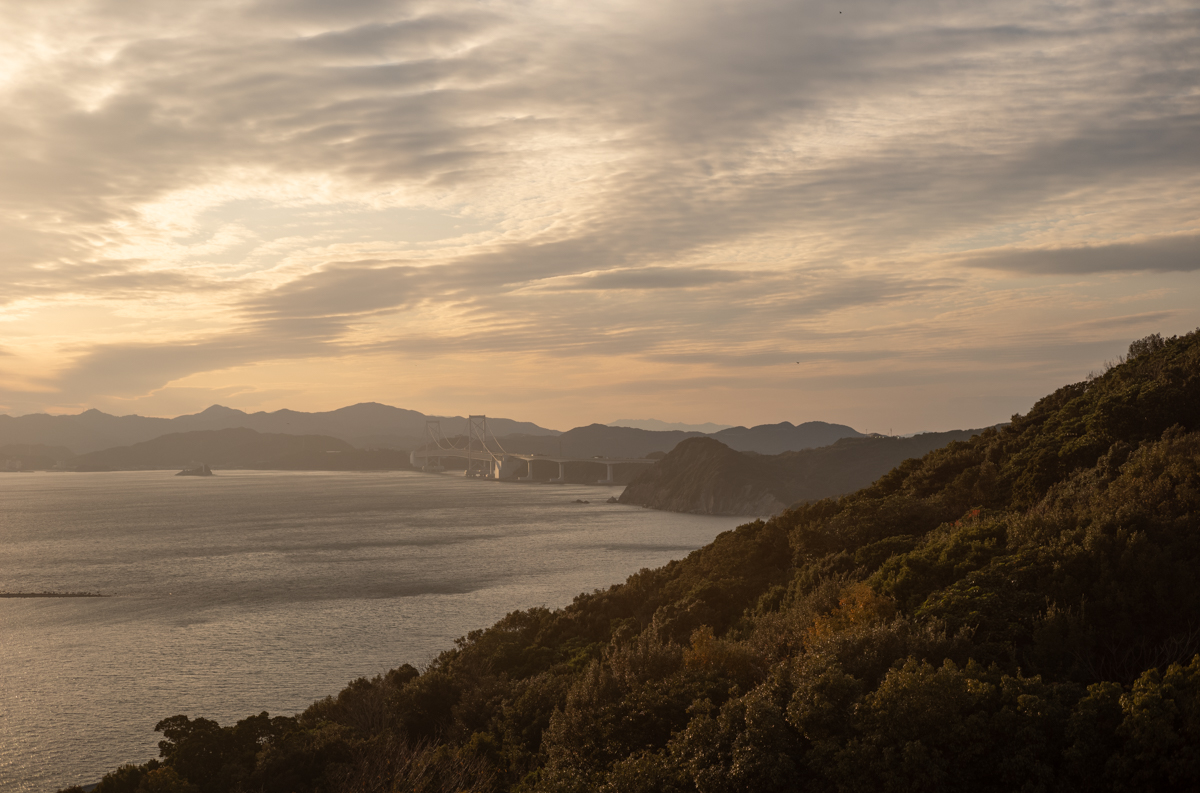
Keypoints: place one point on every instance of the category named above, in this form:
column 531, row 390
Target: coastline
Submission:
column 53, row 595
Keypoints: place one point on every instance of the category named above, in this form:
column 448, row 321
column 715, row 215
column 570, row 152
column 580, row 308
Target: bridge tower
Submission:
column 433, row 430
column 477, row 433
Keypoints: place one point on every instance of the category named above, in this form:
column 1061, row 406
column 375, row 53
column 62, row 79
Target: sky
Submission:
column 901, row 215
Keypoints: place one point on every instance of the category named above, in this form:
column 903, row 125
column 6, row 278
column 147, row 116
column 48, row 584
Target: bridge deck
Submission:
column 481, row 455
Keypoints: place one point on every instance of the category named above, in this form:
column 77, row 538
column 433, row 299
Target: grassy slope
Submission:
column 1016, row 611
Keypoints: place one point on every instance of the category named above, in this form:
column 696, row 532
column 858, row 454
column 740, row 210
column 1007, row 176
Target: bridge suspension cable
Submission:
column 477, row 431
column 478, row 450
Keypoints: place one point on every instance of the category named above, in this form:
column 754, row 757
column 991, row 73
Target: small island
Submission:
column 199, row 470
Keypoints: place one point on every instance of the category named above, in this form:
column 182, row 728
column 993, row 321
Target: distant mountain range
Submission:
column 239, row 447
column 667, row 426
column 372, row 425
column 607, row 441
column 242, row 447
column 32, row 457
column 366, row 425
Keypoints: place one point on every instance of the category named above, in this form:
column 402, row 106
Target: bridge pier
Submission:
column 487, row 464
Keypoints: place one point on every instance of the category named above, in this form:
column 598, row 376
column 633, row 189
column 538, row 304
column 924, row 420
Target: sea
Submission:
column 255, row 591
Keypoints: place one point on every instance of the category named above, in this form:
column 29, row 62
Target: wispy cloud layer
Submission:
column 1176, row 253
column 258, row 196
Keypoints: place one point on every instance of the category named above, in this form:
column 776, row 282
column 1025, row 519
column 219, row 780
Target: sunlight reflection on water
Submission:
column 253, row 591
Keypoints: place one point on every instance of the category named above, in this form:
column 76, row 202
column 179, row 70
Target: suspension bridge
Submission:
column 487, row 459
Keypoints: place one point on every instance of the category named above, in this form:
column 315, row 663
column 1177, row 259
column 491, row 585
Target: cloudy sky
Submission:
column 897, row 214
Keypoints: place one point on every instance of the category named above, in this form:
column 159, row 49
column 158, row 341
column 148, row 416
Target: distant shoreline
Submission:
column 52, row 595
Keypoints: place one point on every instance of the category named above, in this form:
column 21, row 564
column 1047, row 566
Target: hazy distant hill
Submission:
column 229, row 448
column 597, row 440
column 702, row 475
column 367, row 424
column 784, row 437
column 666, row 426
column 85, row 432
column 372, row 425
column 32, row 456
column 601, row 439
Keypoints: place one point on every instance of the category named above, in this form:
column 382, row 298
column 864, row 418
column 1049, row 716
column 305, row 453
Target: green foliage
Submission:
column 125, row 779
column 927, row 728
column 947, row 555
column 165, row 780
column 1016, row 611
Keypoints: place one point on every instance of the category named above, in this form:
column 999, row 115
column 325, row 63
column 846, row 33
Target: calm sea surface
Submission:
column 252, row 591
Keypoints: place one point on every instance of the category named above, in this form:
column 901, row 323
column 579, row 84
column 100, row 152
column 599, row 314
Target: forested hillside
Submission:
column 1014, row 612
column 706, row 477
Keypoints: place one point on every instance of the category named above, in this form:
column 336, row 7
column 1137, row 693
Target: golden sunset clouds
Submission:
column 564, row 213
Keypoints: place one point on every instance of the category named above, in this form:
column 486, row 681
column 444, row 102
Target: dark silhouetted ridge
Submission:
column 703, row 476
column 228, row 448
